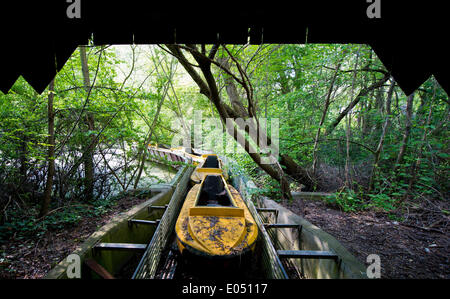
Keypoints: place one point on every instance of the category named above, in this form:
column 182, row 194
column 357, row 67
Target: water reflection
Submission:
column 156, row 173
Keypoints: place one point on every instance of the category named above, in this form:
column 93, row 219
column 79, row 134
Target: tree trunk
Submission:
column 418, row 161
column 46, row 200
column 324, row 115
column 147, row 141
column 348, row 178
column 151, row 129
column 408, row 125
column 23, row 160
column 208, row 87
column 90, row 144
column 355, row 101
column 386, row 125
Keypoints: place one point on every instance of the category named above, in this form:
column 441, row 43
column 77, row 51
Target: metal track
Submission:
column 270, row 257
column 149, row 262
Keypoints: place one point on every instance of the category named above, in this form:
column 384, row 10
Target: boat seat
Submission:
column 213, row 193
column 211, row 162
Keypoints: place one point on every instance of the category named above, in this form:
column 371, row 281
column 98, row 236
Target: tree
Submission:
column 162, row 97
column 406, row 133
column 46, row 199
column 90, row 124
column 209, row 87
column 324, row 113
column 386, row 126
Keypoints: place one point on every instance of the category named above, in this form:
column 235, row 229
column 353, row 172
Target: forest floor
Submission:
column 36, row 256
column 415, row 247
column 406, row 248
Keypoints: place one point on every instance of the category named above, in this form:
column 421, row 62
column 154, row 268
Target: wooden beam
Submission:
column 146, row 222
column 267, row 210
column 120, row 246
column 281, row 225
column 97, row 268
column 150, row 208
column 307, row 254
column 158, row 207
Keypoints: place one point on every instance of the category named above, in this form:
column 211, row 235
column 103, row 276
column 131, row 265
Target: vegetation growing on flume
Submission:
column 344, row 127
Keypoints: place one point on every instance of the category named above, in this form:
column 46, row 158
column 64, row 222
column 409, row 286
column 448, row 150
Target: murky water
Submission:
column 156, row 173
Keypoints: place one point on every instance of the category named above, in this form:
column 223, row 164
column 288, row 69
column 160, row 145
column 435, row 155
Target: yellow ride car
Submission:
column 215, row 221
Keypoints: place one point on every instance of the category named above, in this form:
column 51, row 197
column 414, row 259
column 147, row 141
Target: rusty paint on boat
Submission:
column 214, row 220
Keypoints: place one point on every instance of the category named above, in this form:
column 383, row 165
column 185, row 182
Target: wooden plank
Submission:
column 151, row 208
column 307, row 254
column 120, row 246
column 97, row 268
column 281, row 225
column 146, row 222
column 267, row 210
column 158, row 207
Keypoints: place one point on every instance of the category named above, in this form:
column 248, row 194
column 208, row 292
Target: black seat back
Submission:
column 211, row 162
column 213, row 192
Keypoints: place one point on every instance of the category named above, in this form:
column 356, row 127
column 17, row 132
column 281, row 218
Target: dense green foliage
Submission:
column 306, row 87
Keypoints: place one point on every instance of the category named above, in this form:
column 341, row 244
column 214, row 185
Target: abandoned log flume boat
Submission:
column 214, row 221
column 320, row 255
column 209, row 164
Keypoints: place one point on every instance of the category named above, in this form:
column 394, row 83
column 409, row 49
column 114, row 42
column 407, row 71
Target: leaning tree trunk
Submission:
column 208, row 87
column 355, row 101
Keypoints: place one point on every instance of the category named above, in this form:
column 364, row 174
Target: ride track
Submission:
column 161, row 258
column 102, row 257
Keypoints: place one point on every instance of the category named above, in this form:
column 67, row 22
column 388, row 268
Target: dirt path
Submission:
column 405, row 250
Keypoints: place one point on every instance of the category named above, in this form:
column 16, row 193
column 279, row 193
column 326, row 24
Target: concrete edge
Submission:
column 320, row 240
column 59, row 271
